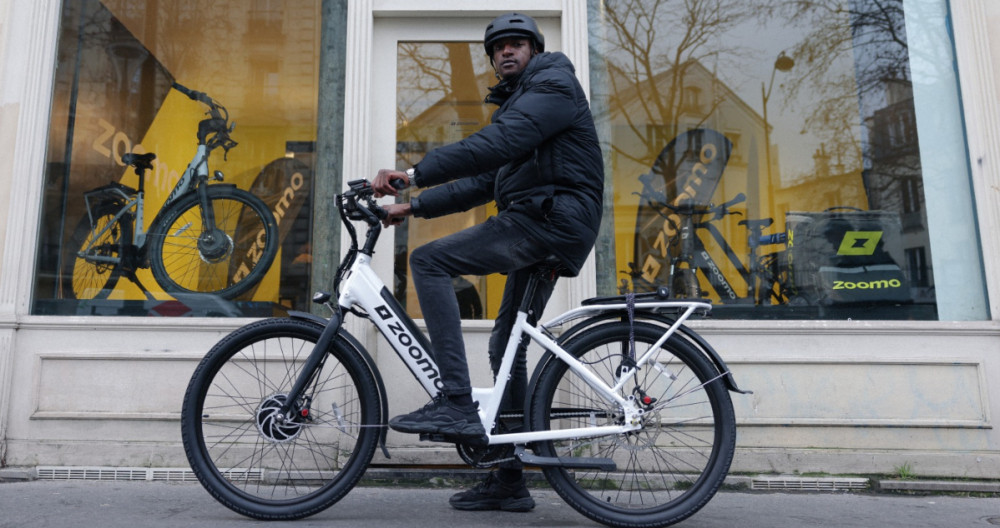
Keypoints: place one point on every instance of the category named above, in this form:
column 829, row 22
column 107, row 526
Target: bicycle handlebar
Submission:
column 193, row 94
column 213, row 131
column 358, row 204
column 370, row 211
column 686, row 208
column 215, row 108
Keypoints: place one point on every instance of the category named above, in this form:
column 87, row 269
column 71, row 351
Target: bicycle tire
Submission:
column 83, row 278
column 267, row 470
column 667, row 470
column 184, row 260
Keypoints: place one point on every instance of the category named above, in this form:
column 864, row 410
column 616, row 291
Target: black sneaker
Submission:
column 494, row 494
column 442, row 416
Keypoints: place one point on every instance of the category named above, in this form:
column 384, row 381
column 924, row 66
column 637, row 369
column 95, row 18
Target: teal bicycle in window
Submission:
column 209, row 239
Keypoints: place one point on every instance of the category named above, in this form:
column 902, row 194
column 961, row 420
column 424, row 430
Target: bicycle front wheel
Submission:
column 253, row 462
column 226, row 256
column 668, row 469
column 91, row 264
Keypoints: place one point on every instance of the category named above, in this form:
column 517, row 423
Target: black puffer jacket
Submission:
column 539, row 160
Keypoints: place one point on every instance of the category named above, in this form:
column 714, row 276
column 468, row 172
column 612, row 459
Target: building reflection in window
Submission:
column 815, row 122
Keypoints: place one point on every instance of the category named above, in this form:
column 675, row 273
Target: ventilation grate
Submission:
column 114, row 473
column 150, row 474
column 91, row 473
column 809, row 484
column 172, row 475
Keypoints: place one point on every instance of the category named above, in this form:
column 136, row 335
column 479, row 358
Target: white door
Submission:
column 429, row 79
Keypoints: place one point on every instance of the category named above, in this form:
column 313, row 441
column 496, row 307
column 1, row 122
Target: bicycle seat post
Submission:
column 142, row 163
column 547, row 271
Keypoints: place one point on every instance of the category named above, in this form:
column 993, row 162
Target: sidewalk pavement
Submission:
column 119, row 504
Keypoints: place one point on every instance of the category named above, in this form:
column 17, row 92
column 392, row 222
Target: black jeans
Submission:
column 495, row 246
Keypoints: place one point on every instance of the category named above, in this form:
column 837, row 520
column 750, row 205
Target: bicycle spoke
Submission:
column 242, row 449
column 222, row 258
column 665, row 467
column 92, row 258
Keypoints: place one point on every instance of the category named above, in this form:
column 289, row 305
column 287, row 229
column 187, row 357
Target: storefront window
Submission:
column 439, row 100
column 799, row 175
column 219, row 222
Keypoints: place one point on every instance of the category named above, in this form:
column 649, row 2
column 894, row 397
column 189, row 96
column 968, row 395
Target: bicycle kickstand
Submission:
column 130, row 275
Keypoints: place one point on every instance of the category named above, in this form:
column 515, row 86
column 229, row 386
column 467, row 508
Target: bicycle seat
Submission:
column 550, row 267
column 141, row 162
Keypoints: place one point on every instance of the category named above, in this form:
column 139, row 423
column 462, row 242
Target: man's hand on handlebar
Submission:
column 389, row 182
column 396, row 213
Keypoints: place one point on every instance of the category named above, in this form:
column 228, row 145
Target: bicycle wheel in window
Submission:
column 774, row 284
column 91, row 263
column 227, row 259
column 253, row 462
column 667, row 470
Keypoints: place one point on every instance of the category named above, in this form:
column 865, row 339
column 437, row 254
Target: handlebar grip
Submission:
column 192, row 94
column 739, row 198
column 398, row 184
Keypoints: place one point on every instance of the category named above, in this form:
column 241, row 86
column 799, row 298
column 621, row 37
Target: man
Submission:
column 540, row 161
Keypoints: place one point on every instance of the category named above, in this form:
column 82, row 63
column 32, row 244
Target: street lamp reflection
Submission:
column 783, row 63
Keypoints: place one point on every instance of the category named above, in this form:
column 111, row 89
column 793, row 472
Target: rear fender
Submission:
column 656, row 318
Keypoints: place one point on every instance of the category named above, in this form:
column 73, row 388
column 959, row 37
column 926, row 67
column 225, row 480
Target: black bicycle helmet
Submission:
column 512, row 25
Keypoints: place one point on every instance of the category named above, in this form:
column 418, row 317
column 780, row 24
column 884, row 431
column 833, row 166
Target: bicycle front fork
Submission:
column 296, row 404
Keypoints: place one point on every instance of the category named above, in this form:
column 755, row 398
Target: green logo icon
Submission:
column 858, row 243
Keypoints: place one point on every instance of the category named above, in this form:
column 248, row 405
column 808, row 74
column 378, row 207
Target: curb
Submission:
column 462, row 477
column 15, row 474
column 961, row 486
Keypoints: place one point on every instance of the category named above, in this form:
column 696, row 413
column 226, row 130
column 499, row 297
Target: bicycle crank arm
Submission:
column 604, row 464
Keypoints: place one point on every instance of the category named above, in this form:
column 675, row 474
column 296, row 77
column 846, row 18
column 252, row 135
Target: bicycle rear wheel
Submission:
column 188, row 256
column 667, row 470
column 91, row 264
column 258, row 465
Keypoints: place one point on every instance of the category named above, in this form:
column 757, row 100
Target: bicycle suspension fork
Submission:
column 207, row 212
column 296, row 402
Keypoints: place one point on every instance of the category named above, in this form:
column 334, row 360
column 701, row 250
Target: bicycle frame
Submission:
column 363, row 288
column 197, row 168
column 702, row 261
column 694, row 253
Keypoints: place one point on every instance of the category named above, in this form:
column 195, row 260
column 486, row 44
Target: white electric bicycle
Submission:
column 628, row 412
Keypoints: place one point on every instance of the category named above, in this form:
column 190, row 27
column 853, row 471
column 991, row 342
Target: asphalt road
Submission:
column 56, row 504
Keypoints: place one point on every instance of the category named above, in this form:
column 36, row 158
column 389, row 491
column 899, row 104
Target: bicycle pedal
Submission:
column 452, row 439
